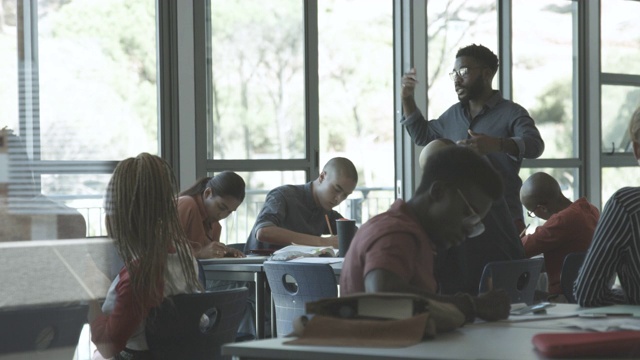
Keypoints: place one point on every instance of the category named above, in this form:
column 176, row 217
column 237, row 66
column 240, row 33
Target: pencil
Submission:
column 326, row 217
column 524, row 231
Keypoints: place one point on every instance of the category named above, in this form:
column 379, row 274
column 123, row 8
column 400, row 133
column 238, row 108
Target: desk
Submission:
column 470, row 342
column 506, row 340
column 250, row 269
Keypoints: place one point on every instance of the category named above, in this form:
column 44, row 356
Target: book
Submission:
column 298, row 251
column 608, row 344
column 371, row 306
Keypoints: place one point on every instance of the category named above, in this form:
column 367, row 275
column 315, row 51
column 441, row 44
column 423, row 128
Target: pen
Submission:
column 326, row 217
column 525, row 230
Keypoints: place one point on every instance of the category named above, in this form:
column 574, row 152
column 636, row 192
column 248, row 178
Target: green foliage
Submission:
column 554, row 104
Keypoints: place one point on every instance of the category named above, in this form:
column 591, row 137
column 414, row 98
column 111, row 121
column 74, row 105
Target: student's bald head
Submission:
column 431, row 148
column 341, row 167
column 539, row 188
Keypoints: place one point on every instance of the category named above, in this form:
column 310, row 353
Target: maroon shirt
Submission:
column 566, row 231
column 393, row 241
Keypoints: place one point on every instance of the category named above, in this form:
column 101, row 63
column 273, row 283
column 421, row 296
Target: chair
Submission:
column 570, row 269
column 518, row 277
column 195, row 326
column 294, row 284
column 41, row 327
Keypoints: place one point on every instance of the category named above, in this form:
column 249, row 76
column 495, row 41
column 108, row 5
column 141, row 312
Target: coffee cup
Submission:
column 346, row 230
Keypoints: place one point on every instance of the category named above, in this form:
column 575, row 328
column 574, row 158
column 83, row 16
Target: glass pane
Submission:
column 356, row 97
column 543, row 71
column 453, row 24
column 618, row 104
column 8, row 65
column 97, row 73
column 256, row 100
column 84, row 193
column 620, row 36
column 616, row 178
column 569, row 184
column 236, row 228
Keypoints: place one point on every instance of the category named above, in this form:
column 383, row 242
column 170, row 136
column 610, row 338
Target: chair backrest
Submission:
column 570, row 269
column 195, row 326
column 293, row 285
column 39, row 328
column 518, row 277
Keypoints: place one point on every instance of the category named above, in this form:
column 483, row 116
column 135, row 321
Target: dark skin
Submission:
column 491, row 306
column 474, row 89
column 541, row 195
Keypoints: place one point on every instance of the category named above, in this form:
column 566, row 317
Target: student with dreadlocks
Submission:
column 143, row 222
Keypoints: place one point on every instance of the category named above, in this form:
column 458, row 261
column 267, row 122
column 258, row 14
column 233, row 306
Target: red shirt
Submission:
column 393, row 241
column 193, row 215
column 567, row 231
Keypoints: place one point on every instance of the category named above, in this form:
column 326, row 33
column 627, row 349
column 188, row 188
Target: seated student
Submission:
column 568, row 228
column 615, row 248
column 203, row 205
column 298, row 213
column 394, row 251
column 459, row 268
column 143, row 222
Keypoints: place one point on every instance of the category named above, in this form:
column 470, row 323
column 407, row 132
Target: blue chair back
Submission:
column 195, row 326
column 518, row 277
column 570, row 269
column 293, row 285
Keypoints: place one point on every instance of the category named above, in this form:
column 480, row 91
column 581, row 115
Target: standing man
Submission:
column 482, row 120
column 300, row 214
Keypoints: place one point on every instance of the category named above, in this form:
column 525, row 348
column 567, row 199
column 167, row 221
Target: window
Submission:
column 282, row 101
column 543, row 72
column 620, row 92
column 453, row 24
column 81, row 94
column 256, row 80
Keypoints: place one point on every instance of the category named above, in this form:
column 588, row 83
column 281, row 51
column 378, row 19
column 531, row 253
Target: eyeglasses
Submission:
column 473, row 223
column 463, row 72
column 532, row 213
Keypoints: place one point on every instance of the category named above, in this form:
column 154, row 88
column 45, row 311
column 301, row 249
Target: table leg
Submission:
column 259, row 278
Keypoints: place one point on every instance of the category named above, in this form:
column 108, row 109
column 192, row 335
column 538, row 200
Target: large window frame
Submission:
column 182, row 95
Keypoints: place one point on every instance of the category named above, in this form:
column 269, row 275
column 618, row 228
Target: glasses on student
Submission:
column 463, row 72
column 532, row 213
column 472, row 223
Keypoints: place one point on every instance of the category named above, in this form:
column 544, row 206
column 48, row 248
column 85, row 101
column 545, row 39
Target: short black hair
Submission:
column 461, row 166
column 482, row 54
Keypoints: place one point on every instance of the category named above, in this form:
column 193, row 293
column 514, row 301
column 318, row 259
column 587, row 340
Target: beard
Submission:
column 473, row 91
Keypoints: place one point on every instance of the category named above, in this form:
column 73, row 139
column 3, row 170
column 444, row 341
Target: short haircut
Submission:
column 634, row 126
column 461, row 167
column 343, row 167
column 482, row 54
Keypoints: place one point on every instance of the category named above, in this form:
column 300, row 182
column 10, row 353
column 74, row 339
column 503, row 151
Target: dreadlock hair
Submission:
column 142, row 219
column 226, row 183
